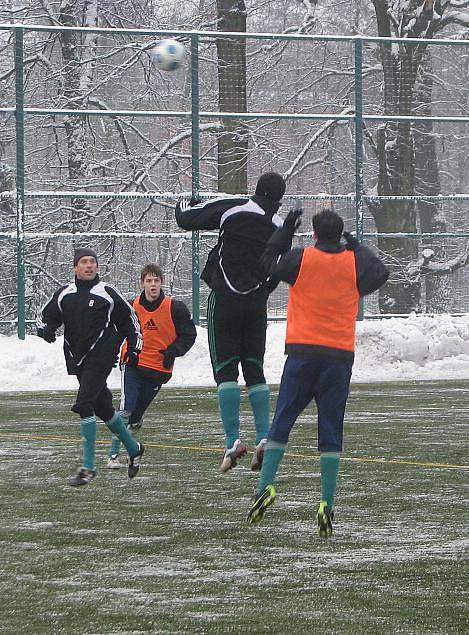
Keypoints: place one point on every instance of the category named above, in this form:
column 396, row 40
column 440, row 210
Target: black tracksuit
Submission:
column 237, row 305
column 96, row 320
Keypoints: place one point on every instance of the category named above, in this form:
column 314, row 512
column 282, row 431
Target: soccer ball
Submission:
column 168, row 55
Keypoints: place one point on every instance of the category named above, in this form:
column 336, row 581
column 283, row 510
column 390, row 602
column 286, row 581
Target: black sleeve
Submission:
column 279, row 260
column 126, row 320
column 371, row 272
column 204, row 215
column 50, row 317
column 185, row 329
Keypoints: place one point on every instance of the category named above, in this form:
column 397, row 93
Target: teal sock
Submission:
column 88, row 438
column 117, row 426
column 259, row 397
column 272, row 456
column 329, row 462
column 115, row 445
column 229, row 399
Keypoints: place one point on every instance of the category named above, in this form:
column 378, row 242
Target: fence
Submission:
column 375, row 128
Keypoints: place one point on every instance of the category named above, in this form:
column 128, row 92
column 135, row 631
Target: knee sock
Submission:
column 273, row 454
column 329, row 462
column 115, row 442
column 116, row 426
column 115, row 445
column 88, row 439
column 229, row 398
column 259, row 397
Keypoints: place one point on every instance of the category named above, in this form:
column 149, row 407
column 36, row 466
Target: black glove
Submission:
column 293, row 220
column 131, row 359
column 195, row 200
column 168, row 358
column 47, row 334
column 352, row 242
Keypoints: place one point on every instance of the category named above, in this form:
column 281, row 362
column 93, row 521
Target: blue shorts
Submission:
column 326, row 381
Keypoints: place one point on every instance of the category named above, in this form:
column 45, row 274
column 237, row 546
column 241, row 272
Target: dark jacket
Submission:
column 281, row 260
column 245, row 225
column 96, row 320
column 185, row 334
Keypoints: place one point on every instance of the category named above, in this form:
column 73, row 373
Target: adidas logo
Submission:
column 151, row 325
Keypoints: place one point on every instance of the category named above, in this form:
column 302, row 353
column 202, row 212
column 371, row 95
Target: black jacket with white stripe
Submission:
column 96, row 320
column 245, row 225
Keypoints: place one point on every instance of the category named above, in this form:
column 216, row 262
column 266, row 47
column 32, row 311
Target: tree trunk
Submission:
column 427, row 182
column 233, row 141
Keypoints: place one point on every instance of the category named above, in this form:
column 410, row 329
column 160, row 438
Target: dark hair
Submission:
column 271, row 185
column 151, row 269
column 328, row 226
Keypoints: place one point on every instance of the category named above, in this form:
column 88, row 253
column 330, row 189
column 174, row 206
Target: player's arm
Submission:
column 196, row 214
column 50, row 318
column 371, row 271
column 279, row 260
column 185, row 333
column 126, row 321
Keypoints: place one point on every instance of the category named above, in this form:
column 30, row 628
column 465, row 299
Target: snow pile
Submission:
column 418, row 347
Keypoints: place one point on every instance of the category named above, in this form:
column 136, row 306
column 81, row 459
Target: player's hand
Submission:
column 168, row 358
column 47, row 334
column 293, row 220
column 352, row 242
column 195, row 200
column 131, row 359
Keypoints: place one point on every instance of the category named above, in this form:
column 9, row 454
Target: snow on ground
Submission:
column 418, row 347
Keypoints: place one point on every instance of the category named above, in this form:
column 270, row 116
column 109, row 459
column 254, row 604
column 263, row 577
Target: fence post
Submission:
column 358, row 50
column 19, row 117
column 195, row 172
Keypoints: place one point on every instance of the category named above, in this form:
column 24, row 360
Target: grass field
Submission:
column 170, row 551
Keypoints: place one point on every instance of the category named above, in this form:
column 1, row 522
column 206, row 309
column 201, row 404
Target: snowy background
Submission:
column 418, row 347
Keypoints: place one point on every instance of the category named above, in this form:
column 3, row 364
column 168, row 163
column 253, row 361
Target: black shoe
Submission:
column 261, row 502
column 134, row 461
column 83, row 477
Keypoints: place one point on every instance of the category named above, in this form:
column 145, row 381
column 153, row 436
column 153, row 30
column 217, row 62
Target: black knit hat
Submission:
column 271, row 185
column 81, row 252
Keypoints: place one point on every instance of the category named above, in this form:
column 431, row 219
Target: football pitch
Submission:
column 170, row 551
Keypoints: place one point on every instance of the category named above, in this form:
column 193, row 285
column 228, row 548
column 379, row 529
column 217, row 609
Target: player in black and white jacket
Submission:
column 237, row 305
column 96, row 320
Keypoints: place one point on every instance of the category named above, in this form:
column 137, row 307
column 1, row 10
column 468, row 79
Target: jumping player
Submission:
column 168, row 332
column 327, row 280
column 237, row 304
column 96, row 319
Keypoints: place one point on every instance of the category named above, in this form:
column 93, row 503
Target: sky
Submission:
column 415, row 348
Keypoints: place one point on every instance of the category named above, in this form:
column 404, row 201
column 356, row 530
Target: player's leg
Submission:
column 295, row 393
column 90, row 386
column 223, row 326
column 130, row 387
column 331, row 399
column 148, row 390
column 252, row 364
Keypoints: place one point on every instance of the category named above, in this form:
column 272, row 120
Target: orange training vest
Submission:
column 158, row 333
column 323, row 302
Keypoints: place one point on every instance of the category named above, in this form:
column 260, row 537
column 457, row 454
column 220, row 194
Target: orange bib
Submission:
column 323, row 302
column 158, row 332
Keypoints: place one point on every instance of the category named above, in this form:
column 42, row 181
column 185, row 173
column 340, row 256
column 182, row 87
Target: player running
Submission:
column 237, row 304
column 327, row 281
column 96, row 319
column 168, row 332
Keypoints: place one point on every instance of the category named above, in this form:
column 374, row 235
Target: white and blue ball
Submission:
column 168, row 55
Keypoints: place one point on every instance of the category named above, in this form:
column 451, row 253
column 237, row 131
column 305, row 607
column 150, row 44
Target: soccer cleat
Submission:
column 134, row 461
column 232, row 455
column 258, row 455
column 261, row 502
column 82, row 477
column 324, row 517
column 113, row 462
